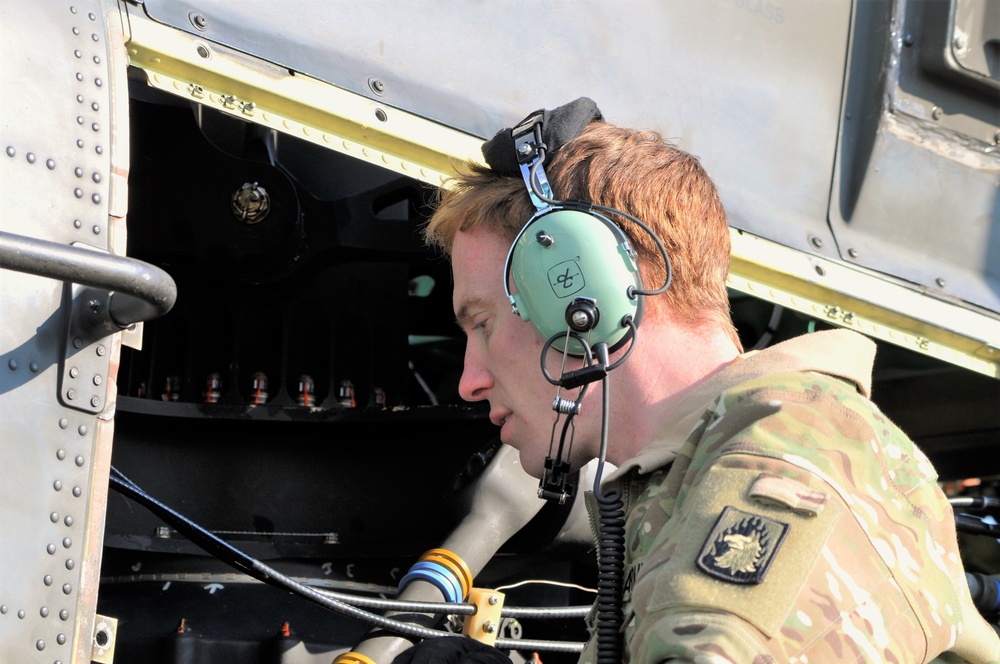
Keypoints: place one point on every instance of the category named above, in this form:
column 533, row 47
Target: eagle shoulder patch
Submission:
column 741, row 546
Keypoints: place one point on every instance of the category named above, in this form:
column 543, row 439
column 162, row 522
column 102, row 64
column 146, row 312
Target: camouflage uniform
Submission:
column 780, row 517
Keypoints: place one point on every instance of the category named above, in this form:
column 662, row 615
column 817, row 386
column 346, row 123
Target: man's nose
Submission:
column 476, row 381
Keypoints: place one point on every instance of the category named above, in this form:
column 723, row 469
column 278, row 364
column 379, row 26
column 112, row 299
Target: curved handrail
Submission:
column 140, row 291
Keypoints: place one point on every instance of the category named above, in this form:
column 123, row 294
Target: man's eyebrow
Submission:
column 464, row 310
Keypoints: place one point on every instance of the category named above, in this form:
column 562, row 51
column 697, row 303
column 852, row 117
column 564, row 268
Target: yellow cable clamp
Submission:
column 484, row 624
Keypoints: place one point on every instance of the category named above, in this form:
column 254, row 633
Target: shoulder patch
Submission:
column 741, row 546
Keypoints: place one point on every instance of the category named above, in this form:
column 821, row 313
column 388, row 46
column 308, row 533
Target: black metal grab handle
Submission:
column 140, row 291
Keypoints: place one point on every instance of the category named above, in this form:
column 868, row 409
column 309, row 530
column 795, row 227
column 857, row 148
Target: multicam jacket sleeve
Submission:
column 797, row 525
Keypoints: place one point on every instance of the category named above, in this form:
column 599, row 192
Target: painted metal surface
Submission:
column 64, row 176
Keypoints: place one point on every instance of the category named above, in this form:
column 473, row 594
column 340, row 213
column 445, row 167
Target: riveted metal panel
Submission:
column 63, row 179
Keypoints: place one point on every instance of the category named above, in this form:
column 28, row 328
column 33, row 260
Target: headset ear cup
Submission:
column 570, row 265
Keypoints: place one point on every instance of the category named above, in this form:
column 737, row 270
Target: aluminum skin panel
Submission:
column 59, row 130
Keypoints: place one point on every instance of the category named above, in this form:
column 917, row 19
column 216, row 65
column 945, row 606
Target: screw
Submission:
column 199, row 21
column 493, row 600
column 936, row 113
column 816, row 242
column 95, row 306
column 377, row 86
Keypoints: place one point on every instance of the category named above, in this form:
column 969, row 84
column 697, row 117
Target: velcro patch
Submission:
column 741, row 546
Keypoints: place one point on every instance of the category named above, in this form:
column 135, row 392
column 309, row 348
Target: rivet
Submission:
column 30, row 157
column 51, row 550
column 44, row 612
column 77, row 492
column 91, row 16
column 61, row 454
column 63, row 423
column 79, row 143
column 72, row 9
column 33, row 367
column 70, row 564
column 61, row 640
column 78, row 193
column 76, row 31
column 96, row 177
column 82, row 430
column 996, row 138
column 101, row 350
column 50, row 164
column 98, row 82
column 97, row 59
column 57, row 485
column 11, row 151
column 67, row 589
column 73, row 372
column 64, row 615
column 95, row 37
column 12, row 363
column 54, row 517
column 95, row 106
column 98, row 149
column 380, row 115
column 67, row 542
column 77, row 53
column 78, row 461
column 3, row 609
column 79, row 119
column 96, row 229
column 95, row 402
column 79, row 99
column 96, row 198
column 940, row 282
column 79, row 76
column 820, row 270
column 77, row 223
column 78, row 172
column 68, row 520
column 40, row 645
column 98, row 379
column 20, row 614
column 936, row 113
column 95, row 127
column 71, row 394
column 908, row 40
column 78, row 343
column 47, row 580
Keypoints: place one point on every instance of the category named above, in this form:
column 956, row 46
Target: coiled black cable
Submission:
column 610, row 564
column 610, row 550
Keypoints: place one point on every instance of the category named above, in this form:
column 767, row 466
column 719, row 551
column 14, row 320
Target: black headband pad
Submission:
column 559, row 126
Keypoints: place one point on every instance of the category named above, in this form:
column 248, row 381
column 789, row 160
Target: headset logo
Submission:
column 566, row 278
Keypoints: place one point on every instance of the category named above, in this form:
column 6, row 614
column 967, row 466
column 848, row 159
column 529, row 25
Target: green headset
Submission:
column 575, row 275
